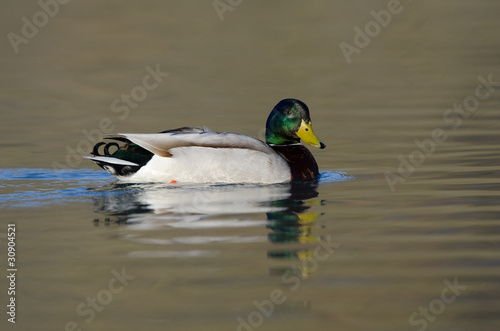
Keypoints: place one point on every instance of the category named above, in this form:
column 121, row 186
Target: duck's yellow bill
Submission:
column 307, row 135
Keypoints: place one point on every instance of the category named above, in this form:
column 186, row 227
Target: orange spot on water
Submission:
column 173, row 181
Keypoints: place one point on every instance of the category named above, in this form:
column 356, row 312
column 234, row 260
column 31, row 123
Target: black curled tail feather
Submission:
column 125, row 160
column 95, row 150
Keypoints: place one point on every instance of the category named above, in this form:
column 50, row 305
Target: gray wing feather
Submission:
column 161, row 143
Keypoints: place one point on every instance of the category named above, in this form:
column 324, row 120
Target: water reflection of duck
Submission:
column 293, row 224
column 199, row 156
column 176, row 204
column 180, row 205
column 162, row 207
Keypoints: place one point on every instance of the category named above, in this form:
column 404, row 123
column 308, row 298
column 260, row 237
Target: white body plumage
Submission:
column 214, row 165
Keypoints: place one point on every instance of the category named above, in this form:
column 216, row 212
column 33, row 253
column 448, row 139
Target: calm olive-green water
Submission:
column 401, row 231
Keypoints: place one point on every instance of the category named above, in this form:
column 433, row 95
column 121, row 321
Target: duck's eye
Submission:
column 289, row 112
column 307, row 129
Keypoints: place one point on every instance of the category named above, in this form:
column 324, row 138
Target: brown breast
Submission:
column 301, row 162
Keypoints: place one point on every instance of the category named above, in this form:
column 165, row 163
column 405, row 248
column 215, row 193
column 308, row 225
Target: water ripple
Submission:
column 36, row 187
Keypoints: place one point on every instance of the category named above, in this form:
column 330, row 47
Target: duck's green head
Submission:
column 289, row 122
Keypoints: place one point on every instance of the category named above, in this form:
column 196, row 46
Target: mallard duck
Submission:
column 197, row 155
